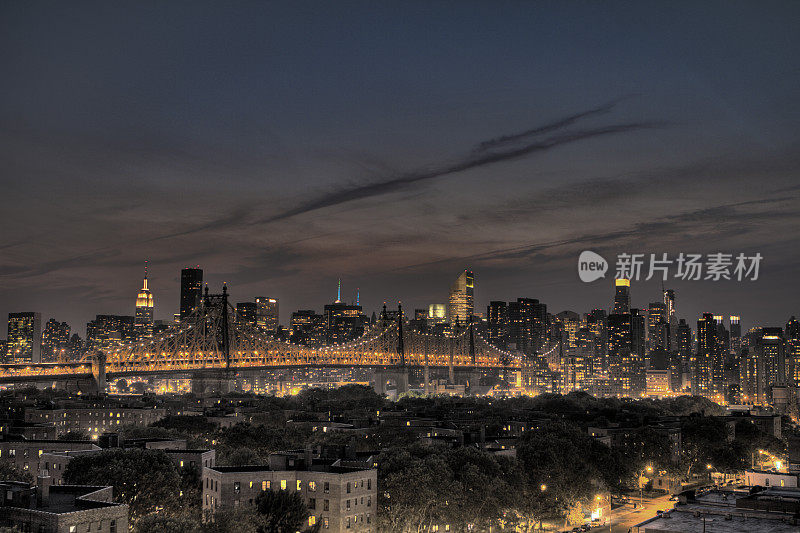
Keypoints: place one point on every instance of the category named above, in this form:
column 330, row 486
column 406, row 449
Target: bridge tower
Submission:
column 399, row 372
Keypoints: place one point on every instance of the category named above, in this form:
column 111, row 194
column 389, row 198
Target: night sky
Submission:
column 283, row 146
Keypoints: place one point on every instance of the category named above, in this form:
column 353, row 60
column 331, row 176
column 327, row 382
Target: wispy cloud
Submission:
column 475, row 160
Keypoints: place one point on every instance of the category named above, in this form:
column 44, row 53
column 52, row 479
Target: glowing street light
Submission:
column 542, row 487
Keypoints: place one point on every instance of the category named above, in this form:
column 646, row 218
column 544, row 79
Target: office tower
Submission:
column 437, row 313
column 268, row 317
column 107, row 332
column 669, row 302
column 672, row 320
column 343, row 322
column 461, row 306
column 792, row 351
column 596, row 321
column 638, row 328
column 735, row 335
column 638, row 334
column 708, row 364
column 247, row 314
column 191, row 290
column 619, row 354
column 497, row 323
column 308, row 328
column 622, row 296
column 657, row 327
column 770, row 363
column 685, row 354
column 25, row 337
column 143, row 321
column 527, row 325
column 55, row 341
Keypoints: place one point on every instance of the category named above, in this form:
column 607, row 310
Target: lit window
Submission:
column 312, row 520
column 312, row 486
column 264, row 485
column 299, row 484
column 283, row 484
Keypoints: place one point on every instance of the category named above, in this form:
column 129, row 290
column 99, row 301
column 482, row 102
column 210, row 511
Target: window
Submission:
column 264, row 485
column 251, row 484
column 325, row 522
column 326, row 505
column 369, row 484
column 283, row 484
column 312, row 503
column 89, row 526
column 369, row 501
column 181, row 464
column 237, row 487
column 299, row 485
column 73, row 529
column 326, row 487
column 12, row 453
column 348, row 522
column 348, row 505
column 312, row 486
column 312, row 520
column 348, row 487
column 369, row 518
column 113, row 527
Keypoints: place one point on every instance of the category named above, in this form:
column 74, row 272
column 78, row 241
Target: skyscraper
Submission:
column 622, row 296
column 619, row 353
column 657, row 327
column 191, row 290
column 461, row 304
column 267, row 310
column 25, row 337
column 709, row 369
column 792, row 351
column 770, row 363
column 143, row 320
column 497, row 321
column 247, row 313
column 55, row 340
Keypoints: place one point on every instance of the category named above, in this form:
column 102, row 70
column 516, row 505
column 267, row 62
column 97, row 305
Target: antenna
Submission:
column 339, row 291
column 358, row 296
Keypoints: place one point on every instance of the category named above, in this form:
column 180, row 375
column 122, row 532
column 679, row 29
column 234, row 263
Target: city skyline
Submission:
column 281, row 164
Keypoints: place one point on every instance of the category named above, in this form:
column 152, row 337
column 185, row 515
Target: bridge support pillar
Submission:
column 206, row 385
column 99, row 371
column 474, row 378
column 398, row 376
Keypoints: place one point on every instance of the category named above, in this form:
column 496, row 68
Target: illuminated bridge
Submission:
column 211, row 344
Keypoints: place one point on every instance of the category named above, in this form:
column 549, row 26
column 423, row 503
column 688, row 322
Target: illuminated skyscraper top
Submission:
column 144, row 309
column 622, row 297
column 461, row 305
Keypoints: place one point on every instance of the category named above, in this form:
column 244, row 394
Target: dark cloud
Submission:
column 547, row 128
column 379, row 188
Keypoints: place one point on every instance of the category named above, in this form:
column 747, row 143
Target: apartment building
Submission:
column 60, row 509
column 341, row 495
column 94, row 420
column 26, row 455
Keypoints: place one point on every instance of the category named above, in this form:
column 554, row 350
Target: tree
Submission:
column 9, row 472
column 75, row 434
column 281, row 511
column 147, row 480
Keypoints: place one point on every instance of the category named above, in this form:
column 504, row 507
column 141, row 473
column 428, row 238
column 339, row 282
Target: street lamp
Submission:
column 542, row 487
column 649, row 469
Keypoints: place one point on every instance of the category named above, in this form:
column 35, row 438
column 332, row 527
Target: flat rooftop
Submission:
column 685, row 521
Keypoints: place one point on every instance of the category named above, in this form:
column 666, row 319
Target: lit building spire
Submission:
column 339, row 291
column 144, row 309
column 358, row 296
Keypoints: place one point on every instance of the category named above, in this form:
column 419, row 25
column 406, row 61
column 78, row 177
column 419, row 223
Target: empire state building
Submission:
column 143, row 322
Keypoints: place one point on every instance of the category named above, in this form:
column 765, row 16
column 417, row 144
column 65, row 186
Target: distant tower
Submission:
column 143, row 321
column 339, row 292
column 191, row 290
column 622, row 297
column 461, row 306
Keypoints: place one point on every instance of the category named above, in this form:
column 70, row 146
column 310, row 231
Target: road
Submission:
column 626, row 516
